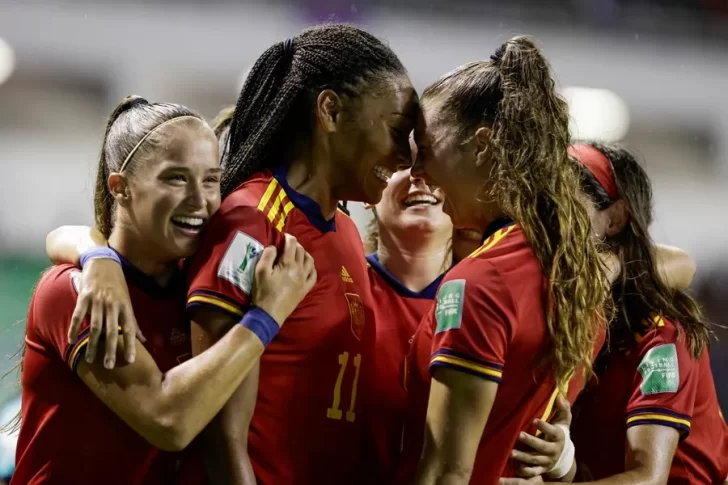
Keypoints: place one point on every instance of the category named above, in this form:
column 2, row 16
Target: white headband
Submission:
column 136, row 147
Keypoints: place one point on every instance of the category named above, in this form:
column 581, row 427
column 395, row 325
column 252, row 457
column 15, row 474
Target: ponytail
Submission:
column 103, row 201
column 534, row 182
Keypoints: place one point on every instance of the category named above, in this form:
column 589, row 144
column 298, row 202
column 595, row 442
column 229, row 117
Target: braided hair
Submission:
column 275, row 107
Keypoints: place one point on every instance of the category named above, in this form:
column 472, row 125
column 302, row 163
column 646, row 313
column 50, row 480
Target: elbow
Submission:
column 50, row 244
column 170, row 433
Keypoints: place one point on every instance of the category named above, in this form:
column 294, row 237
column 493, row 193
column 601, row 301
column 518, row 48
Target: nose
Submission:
column 418, row 169
column 196, row 195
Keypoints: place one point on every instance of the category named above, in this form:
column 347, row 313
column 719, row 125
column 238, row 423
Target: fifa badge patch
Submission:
column 238, row 264
column 449, row 307
column 356, row 312
column 659, row 370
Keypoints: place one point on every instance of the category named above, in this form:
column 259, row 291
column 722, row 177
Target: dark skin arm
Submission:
column 226, row 438
column 457, row 412
column 649, row 453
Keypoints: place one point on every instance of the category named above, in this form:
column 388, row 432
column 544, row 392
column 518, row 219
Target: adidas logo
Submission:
column 345, row 276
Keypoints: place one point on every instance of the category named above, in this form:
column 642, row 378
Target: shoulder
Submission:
column 661, row 331
column 257, row 188
column 58, row 282
column 476, row 280
column 54, row 298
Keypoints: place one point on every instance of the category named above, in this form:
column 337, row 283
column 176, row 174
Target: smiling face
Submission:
column 372, row 139
column 412, row 209
column 173, row 191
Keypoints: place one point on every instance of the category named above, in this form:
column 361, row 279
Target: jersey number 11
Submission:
column 334, row 412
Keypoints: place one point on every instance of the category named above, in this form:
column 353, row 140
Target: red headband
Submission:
column 598, row 165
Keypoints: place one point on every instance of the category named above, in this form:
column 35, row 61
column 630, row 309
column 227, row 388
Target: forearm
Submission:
column 434, row 470
column 192, row 393
column 226, row 458
column 67, row 243
column 639, row 476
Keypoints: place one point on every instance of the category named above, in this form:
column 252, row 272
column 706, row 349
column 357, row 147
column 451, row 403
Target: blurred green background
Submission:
column 17, row 280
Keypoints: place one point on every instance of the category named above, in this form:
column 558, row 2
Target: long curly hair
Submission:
column 640, row 293
column 534, row 182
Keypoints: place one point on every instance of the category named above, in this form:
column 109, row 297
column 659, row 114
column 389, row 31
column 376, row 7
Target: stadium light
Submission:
column 7, row 61
column 596, row 114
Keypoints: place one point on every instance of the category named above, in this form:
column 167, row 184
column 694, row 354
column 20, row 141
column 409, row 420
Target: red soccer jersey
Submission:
column 398, row 312
column 655, row 381
column 67, row 434
column 306, row 427
column 489, row 321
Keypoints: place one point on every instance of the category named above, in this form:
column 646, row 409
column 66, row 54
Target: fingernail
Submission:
column 109, row 363
column 523, row 435
column 131, row 358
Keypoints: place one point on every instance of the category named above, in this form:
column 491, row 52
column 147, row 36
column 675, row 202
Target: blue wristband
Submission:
column 261, row 324
column 99, row 252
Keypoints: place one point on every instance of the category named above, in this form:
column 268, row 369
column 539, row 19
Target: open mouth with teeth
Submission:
column 420, row 200
column 383, row 173
column 188, row 223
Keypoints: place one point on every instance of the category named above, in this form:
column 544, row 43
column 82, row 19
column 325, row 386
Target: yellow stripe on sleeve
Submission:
column 658, row 417
column 78, row 347
column 286, row 209
column 276, row 206
column 210, row 300
column 267, row 195
column 492, row 241
column 466, row 364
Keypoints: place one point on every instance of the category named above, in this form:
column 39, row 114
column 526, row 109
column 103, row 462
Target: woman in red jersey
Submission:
column 158, row 182
column 409, row 245
column 652, row 416
column 674, row 267
column 322, row 117
column 518, row 316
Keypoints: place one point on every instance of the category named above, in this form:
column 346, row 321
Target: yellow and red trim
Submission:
column 216, row 301
column 455, row 360
column 494, row 239
column 275, row 204
column 661, row 416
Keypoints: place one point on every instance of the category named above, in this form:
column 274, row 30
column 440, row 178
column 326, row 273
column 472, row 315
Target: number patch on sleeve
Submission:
column 449, row 309
column 659, row 370
column 238, row 264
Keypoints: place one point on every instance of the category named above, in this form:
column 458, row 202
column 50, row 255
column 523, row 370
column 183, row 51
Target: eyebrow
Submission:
column 172, row 166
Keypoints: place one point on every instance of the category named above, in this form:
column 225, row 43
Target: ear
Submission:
column 482, row 146
column 328, row 109
column 618, row 218
column 119, row 188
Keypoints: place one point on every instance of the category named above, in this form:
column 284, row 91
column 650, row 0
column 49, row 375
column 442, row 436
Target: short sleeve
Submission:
column 474, row 321
column 222, row 272
column 665, row 382
column 50, row 315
